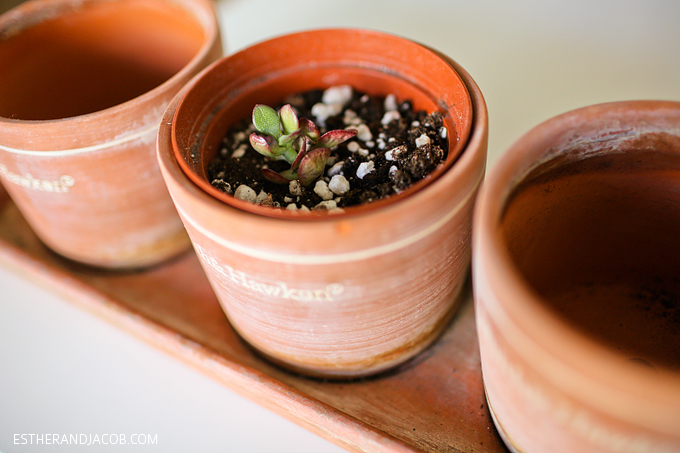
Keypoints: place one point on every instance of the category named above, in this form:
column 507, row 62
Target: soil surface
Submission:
column 395, row 146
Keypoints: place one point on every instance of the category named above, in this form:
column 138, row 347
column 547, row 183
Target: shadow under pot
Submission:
column 577, row 282
column 84, row 85
column 338, row 295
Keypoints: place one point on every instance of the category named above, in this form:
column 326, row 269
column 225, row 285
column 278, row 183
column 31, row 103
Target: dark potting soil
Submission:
column 395, row 146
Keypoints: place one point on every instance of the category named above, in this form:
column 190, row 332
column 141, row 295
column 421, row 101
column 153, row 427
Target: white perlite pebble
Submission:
column 323, row 111
column 295, row 188
column 304, row 208
column 423, row 140
column 443, row 132
column 364, row 169
column 292, row 207
column 322, row 190
column 390, row 102
column 245, row 193
column 351, row 118
column 239, row 136
column 393, row 170
column 353, row 147
column 356, row 148
column 222, row 185
column 364, row 133
column 339, row 94
column 336, row 169
column 239, row 152
column 327, row 204
column 339, row 185
column 390, row 116
column 389, row 155
column 261, row 196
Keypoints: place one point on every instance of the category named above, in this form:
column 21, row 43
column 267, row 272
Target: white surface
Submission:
column 64, row 371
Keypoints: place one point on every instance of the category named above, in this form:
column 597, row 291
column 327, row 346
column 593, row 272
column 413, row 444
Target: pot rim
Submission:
column 567, row 351
column 469, row 164
column 279, row 213
column 205, row 17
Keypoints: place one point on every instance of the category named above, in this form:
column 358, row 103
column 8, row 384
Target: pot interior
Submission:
column 274, row 90
column 595, row 232
column 64, row 59
column 271, row 71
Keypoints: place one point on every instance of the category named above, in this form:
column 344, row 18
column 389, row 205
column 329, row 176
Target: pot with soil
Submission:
column 84, row 86
column 331, row 289
column 575, row 273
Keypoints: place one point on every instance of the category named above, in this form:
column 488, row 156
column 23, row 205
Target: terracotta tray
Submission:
column 434, row 403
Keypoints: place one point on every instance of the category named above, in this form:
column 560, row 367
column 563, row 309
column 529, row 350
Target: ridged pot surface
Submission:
column 575, row 272
column 342, row 294
column 85, row 84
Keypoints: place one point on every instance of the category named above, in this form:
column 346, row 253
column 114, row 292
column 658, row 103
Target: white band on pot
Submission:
column 86, row 149
column 335, row 258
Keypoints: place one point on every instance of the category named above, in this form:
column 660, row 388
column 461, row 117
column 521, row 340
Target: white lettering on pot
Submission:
column 60, row 186
column 275, row 288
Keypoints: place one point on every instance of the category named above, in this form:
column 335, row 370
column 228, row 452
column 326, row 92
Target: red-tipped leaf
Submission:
column 272, row 176
column 264, row 145
column 309, row 129
column 334, row 138
column 302, row 153
column 313, row 165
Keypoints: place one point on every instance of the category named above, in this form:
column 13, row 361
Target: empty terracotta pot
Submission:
column 84, row 85
column 338, row 295
column 576, row 280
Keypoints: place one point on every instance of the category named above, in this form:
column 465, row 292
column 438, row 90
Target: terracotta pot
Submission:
column 575, row 272
column 84, row 86
column 343, row 294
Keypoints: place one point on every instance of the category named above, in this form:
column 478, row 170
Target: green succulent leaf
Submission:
column 289, row 174
column 289, row 139
column 289, row 119
column 289, row 155
column 266, row 120
column 313, row 165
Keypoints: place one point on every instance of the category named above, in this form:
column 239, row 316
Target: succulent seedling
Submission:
column 284, row 136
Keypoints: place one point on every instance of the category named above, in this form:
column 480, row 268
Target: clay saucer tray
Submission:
column 435, row 403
